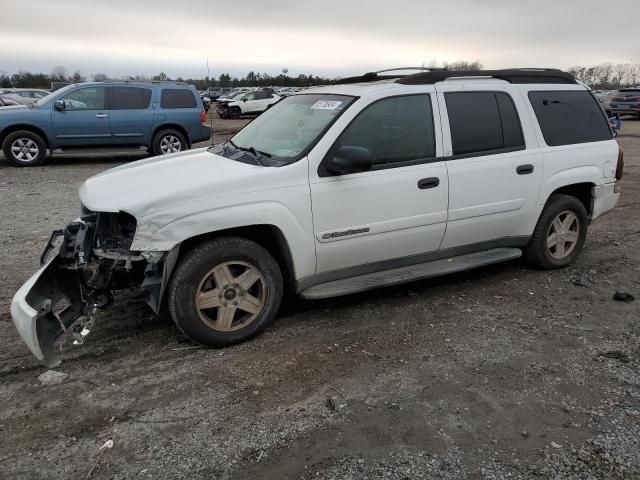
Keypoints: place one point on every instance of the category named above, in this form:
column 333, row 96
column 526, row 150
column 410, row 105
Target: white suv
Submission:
column 250, row 103
column 374, row 181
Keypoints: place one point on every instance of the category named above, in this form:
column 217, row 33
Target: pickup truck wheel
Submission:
column 559, row 234
column 24, row 149
column 225, row 291
column 168, row 141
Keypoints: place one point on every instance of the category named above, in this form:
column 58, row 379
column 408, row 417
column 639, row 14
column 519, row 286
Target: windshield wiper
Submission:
column 250, row 150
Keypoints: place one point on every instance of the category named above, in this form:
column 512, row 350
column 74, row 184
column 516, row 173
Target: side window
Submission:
column 129, row 98
column 394, row 130
column 263, row 95
column 569, row 117
column 249, row 96
column 177, row 98
column 483, row 122
column 90, row 98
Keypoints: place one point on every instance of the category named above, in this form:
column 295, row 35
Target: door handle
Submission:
column 101, row 115
column 524, row 169
column 431, row 182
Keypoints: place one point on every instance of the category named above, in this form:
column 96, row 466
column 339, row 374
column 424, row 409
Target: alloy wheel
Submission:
column 231, row 296
column 24, row 149
column 170, row 144
column 563, row 235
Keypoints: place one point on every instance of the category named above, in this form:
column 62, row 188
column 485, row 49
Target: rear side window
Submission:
column 569, row 117
column 483, row 122
column 129, row 98
column 394, row 130
column 177, row 98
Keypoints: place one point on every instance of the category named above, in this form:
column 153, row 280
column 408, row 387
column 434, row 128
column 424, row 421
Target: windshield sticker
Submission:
column 326, row 105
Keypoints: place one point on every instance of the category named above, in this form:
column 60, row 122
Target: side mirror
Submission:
column 59, row 105
column 244, row 99
column 349, row 159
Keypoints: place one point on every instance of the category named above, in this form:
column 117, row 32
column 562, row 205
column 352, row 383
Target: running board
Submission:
column 411, row 273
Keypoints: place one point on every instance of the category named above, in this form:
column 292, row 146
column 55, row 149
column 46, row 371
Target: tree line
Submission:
column 608, row 75
column 603, row 76
column 26, row 79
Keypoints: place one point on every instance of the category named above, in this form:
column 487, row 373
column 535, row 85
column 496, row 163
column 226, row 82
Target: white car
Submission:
column 376, row 181
column 247, row 104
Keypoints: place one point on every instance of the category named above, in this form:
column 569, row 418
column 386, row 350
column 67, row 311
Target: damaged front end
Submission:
column 64, row 296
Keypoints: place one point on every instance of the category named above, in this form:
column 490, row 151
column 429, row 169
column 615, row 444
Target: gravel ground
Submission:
column 502, row 372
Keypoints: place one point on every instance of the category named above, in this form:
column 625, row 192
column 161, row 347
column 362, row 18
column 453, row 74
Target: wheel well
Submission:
column 172, row 126
column 30, row 128
column 267, row 236
column 582, row 191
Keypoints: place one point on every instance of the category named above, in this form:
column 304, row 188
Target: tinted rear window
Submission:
column 483, row 122
column 129, row 98
column 177, row 98
column 569, row 117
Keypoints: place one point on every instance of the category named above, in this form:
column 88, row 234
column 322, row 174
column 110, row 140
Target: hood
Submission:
column 13, row 108
column 147, row 186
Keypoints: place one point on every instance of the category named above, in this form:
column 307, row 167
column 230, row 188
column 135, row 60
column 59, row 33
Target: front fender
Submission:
column 164, row 230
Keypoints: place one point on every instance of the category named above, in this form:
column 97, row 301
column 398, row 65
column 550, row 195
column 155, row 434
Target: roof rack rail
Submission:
column 375, row 76
column 511, row 75
column 433, row 75
column 168, row 82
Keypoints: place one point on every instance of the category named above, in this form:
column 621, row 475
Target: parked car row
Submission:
column 616, row 103
column 164, row 117
column 21, row 96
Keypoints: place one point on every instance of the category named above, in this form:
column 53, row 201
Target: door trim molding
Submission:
column 305, row 283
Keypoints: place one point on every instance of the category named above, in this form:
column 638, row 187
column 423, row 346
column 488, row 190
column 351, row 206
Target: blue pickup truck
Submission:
column 165, row 117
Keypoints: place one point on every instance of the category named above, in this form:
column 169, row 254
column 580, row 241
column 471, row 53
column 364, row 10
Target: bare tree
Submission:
column 621, row 71
column 634, row 71
column 463, row 65
column 605, row 71
column 59, row 74
column 77, row 77
column 99, row 77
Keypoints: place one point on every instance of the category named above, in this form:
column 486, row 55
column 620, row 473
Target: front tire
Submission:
column 168, row 141
column 559, row 234
column 225, row 291
column 24, row 149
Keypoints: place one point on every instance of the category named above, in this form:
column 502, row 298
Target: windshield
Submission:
column 292, row 126
column 43, row 100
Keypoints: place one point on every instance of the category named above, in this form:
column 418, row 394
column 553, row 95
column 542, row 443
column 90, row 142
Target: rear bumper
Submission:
column 605, row 199
column 205, row 134
column 626, row 110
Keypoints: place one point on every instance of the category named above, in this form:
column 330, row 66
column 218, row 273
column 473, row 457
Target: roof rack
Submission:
column 375, row 76
column 168, row 82
column 430, row 76
column 512, row 75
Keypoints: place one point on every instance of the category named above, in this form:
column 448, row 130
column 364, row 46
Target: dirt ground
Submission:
column 502, row 372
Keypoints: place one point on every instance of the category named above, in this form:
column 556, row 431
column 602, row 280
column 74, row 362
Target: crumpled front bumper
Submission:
column 25, row 317
column 44, row 308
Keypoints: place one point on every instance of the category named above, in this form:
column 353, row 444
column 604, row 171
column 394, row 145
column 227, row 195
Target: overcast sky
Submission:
column 328, row 37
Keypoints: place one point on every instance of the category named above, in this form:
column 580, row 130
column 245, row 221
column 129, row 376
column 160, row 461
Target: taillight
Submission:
column 203, row 117
column 620, row 166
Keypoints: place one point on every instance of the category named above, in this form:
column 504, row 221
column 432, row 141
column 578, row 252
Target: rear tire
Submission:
column 168, row 141
column 225, row 291
column 559, row 234
column 24, row 148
